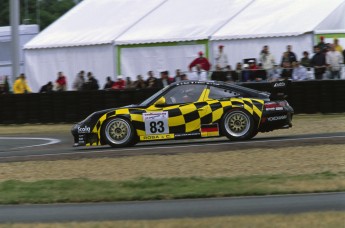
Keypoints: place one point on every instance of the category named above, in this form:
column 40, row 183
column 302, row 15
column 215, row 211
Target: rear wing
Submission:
column 279, row 89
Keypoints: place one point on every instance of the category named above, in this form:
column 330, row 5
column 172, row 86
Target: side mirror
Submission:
column 160, row 102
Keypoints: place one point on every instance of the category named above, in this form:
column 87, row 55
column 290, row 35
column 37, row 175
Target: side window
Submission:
column 184, row 94
column 218, row 93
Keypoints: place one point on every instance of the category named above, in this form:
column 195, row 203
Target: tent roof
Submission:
column 183, row 20
column 275, row 18
column 93, row 22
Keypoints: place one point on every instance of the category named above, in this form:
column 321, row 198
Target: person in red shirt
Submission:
column 120, row 83
column 61, row 82
column 202, row 61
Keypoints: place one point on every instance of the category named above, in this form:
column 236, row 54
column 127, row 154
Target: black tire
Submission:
column 238, row 125
column 119, row 132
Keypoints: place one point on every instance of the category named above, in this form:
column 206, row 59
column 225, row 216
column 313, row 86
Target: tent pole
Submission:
column 14, row 21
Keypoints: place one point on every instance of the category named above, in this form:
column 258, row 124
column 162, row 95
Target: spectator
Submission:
column 61, row 83
column 322, row 45
column 139, row 83
column 337, row 46
column 218, row 74
column 231, row 75
column 318, row 61
column 253, row 70
column 152, row 81
column 238, row 71
column 120, row 83
column 276, row 73
column 267, row 60
column 299, row 72
column 47, row 88
column 203, row 62
column 333, row 60
column 178, row 75
column 129, row 83
column 5, row 86
column 20, row 85
column 287, row 70
column 109, row 83
column 79, row 81
column 165, row 80
column 221, row 58
column 245, row 73
column 261, row 73
column 91, row 83
column 200, row 74
column 285, row 58
column 305, row 60
column 184, row 77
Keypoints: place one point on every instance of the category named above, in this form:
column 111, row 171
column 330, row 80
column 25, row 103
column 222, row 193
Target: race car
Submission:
column 184, row 110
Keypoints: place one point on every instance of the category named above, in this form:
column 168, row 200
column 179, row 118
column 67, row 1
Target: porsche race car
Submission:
column 184, row 110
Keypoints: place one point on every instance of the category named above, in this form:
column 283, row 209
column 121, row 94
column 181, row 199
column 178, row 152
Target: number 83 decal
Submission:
column 156, row 123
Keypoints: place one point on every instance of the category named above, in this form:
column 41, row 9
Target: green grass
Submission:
column 84, row 190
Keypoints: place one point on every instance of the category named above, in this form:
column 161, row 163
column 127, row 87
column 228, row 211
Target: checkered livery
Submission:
column 185, row 118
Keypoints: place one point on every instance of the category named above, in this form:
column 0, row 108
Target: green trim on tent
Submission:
column 120, row 47
column 331, row 35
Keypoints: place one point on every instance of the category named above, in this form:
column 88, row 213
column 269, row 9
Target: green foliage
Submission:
column 42, row 12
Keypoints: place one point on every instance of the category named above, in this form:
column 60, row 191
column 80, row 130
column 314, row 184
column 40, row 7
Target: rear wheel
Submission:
column 238, row 125
column 119, row 132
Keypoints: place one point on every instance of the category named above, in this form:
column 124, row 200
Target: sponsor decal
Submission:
column 84, row 130
column 183, row 135
column 157, row 137
column 275, row 118
column 156, row 123
column 279, row 84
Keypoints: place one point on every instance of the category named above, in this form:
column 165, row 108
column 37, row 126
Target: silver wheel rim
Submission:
column 237, row 124
column 118, row 131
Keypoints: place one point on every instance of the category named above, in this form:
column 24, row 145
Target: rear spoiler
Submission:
column 279, row 89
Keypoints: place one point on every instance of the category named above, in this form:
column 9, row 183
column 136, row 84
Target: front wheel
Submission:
column 238, row 125
column 119, row 132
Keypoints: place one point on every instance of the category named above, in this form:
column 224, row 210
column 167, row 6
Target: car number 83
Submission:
column 156, row 123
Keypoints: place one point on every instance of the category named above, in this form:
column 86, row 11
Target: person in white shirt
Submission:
column 221, row 58
column 267, row 60
column 199, row 74
column 299, row 72
column 334, row 59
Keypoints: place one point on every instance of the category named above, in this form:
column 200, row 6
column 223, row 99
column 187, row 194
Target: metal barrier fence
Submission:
column 326, row 96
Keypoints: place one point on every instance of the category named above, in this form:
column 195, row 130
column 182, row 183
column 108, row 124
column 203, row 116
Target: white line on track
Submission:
column 184, row 146
column 50, row 141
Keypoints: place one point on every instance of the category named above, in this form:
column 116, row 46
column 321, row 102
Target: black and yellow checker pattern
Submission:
column 186, row 118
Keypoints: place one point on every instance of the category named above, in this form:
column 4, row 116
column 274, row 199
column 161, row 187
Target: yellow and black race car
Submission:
column 187, row 109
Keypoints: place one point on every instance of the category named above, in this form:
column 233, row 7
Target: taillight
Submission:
column 271, row 106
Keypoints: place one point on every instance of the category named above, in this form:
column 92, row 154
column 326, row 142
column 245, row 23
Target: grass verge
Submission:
column 84, row 190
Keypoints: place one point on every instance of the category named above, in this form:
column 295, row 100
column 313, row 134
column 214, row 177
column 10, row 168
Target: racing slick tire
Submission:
column 119, row 132
column 238, row 125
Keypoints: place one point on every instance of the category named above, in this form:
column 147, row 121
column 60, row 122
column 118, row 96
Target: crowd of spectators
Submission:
column 326, row 62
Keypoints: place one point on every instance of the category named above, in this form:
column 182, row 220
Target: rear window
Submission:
column 219, row 93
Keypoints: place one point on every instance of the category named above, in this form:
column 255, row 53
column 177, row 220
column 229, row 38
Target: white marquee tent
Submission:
column 131, row 37
column 171, row 36
column 83, row 39
column 277, row 24
column 26, row 33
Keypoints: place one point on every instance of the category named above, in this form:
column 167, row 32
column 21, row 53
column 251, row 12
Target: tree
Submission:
column 42, row 12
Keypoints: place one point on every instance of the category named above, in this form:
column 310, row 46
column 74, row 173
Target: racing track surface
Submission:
column 59, row 146
column 54, row 147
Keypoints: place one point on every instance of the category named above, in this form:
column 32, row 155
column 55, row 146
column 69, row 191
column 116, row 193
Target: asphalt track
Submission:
column 169, row 209
column 59, row 146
